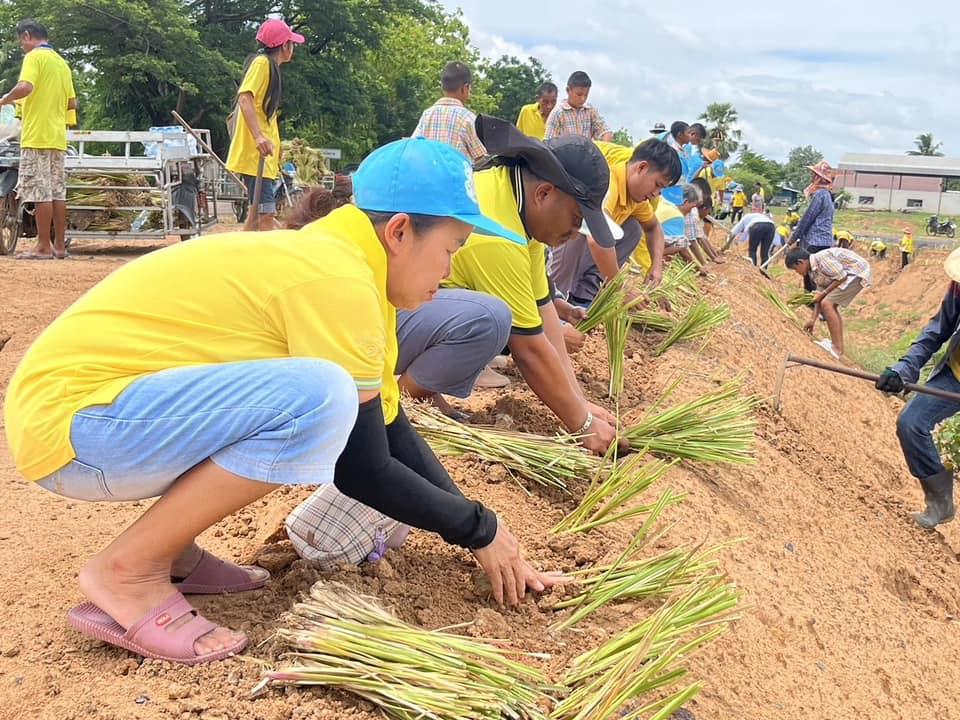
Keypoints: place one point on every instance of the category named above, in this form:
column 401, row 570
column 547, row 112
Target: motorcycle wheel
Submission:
column 9, row 224
column 951, row 232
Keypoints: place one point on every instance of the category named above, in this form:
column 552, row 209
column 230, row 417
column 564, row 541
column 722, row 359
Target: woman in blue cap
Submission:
column 272, row 364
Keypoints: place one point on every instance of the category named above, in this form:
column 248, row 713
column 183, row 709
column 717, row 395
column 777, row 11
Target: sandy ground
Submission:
column 849, row 610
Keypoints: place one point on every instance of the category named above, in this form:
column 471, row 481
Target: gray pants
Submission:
column 446, row 343
column 574, row 272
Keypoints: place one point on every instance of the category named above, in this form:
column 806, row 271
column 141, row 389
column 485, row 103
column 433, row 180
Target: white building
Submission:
column 909, row 183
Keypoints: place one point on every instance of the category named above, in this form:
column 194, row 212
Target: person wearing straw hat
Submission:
column 255, row 133
column 923, row 412
column 815, row 229
column 272, row 365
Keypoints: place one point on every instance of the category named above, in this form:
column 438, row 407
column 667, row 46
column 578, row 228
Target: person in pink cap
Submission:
column 255, row 133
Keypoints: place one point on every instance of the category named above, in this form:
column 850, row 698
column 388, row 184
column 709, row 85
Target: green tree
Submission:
column 756, row 163
column 926, row 146
column 513, row 83
column 623, row 137
column 722, row 132
column 796, row 172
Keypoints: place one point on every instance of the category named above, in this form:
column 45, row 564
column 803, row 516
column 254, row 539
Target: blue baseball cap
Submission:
column 423, row 177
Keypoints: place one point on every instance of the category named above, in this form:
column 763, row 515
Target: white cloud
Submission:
column 843, row 77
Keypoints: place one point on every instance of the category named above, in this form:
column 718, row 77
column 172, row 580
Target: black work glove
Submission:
column 890, row 381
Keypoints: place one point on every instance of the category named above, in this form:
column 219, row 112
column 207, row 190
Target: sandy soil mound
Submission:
column 849, row 609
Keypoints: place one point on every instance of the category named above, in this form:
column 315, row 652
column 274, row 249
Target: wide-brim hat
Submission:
column 574, row 164
column 952, row 265
column 823, row 170
column 710, row 155
column 658, row 128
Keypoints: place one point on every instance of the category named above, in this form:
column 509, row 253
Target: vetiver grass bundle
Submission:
column 717, row 427
column 783, row 307
column 609, row 301
column 344, row 640
column 801, row 299
column 679, row 285
column 637, row 578
column 696, row 323
column 551, row 461
column 613, row 680
column 606, row 499
column 617, row 331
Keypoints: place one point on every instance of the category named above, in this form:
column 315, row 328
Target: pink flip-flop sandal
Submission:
column 149, row 637
column 213, row 576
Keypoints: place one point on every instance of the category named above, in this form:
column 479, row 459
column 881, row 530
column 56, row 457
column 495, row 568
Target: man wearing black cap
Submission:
column 543, row 191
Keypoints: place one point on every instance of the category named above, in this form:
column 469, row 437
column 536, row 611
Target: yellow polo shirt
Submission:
column 317, row 293
column 45, row 109
column 618, row 201
column 499, row 267
column 530, row 121
column 244, row 156
column 739, row 200
column 907, row 243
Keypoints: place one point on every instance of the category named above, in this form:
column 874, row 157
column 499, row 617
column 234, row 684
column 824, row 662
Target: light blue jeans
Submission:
column 282, row 421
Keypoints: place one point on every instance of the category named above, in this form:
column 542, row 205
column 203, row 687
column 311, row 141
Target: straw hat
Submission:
column 952, row 265
column 710, row 155
column 823, row 170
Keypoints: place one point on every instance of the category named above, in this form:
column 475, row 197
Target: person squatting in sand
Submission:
column 272, row 365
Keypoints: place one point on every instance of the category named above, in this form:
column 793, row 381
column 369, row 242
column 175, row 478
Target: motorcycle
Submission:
column 936, row 226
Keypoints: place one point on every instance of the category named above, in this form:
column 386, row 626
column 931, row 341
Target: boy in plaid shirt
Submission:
column 448, row 120
column 574, row 116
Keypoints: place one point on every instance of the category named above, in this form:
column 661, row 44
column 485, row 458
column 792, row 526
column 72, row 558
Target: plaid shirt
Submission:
column 832, row 264
column 448, row 121
column 692, row 227
column 567, row 120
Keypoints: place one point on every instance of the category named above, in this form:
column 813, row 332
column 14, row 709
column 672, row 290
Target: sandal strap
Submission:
column 151, row 630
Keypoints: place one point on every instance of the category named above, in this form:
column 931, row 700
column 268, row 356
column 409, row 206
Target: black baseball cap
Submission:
column 572, row 163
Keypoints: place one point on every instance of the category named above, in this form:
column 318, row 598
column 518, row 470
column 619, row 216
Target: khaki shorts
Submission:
column 42, row 176
column 845, row 296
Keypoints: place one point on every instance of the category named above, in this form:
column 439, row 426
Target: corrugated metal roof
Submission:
column 902, row 164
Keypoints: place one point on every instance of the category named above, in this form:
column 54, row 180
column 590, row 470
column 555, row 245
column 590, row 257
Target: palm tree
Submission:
column 723, row 136
column 926, row 146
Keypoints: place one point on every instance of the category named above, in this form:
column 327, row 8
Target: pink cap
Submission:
column 274, row 33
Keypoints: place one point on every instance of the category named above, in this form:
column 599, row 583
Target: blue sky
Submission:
column 843, row 77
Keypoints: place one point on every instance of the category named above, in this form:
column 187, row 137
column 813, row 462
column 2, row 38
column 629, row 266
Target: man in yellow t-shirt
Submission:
column 46, row 89
column 907, row 247
column 738, row 204
column 247, row 378
column 532, row 120
column 543, row 191
column 637, row 177
column 256, row 137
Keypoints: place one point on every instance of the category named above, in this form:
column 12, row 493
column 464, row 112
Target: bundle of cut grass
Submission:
column 801, row 299
column 617, row 331
column 696, row 323
column 717, row 427
column 609, row 301
column 607, row 497
column 613, row 680
column 783, row 307
column 679, row 285
column 343, row 640
column 650, row 319
column 550, row 461
column 632, row 578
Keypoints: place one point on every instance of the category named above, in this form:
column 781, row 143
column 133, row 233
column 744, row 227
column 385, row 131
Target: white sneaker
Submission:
column 827, row 345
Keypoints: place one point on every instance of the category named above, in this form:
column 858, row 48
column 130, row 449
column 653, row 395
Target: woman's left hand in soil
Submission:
column 509, row 573
column 602, row 413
